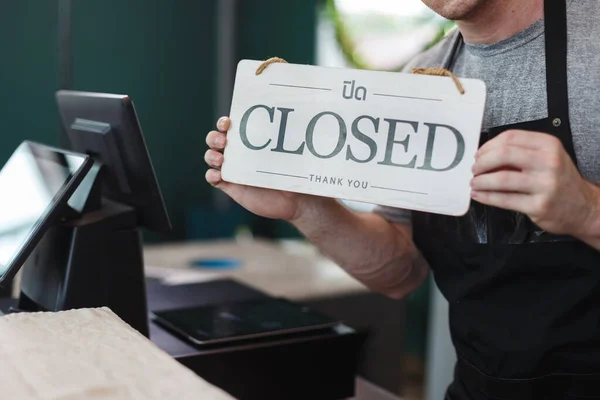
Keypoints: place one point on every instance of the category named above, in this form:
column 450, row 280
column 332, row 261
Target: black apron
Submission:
column 524, row 305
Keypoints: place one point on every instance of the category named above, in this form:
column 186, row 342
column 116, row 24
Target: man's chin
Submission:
column 455, row 10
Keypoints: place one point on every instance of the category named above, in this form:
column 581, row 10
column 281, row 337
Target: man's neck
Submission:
column 497, row 20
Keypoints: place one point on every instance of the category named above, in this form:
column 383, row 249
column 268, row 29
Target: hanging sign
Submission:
column 396, row 139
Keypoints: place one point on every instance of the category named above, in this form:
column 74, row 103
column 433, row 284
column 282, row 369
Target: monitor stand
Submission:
column 91, row 258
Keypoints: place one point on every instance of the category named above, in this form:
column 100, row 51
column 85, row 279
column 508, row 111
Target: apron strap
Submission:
column 455, row 48
column 556, row 46
column 556, row 57
column 557, row 89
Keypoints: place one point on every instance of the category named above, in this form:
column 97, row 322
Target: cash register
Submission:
column 71, row 220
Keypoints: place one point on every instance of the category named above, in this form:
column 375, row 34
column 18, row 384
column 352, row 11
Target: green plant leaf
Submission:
column 345, row 42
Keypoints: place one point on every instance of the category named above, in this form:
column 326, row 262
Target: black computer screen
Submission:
column 34, row 183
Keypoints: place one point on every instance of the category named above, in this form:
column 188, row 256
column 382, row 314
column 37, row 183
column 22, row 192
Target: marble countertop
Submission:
column 89, row 354
column 293, row 269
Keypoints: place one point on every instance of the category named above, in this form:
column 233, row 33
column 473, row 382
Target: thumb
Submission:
column 214, row 178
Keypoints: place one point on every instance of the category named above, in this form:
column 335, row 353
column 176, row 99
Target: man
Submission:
column 521, row 270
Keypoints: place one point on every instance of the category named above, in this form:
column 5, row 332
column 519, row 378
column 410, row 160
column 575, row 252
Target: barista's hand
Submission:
column 263, row 202
column 531, row 173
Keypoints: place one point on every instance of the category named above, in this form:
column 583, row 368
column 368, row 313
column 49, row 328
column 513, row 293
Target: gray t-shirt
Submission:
column 514, row 71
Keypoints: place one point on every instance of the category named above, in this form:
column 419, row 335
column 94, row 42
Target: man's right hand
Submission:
column 266, row 203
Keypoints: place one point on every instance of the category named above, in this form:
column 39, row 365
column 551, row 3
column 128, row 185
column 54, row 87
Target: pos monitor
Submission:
column 106, row 127
column 36, row 184
column 94, row 257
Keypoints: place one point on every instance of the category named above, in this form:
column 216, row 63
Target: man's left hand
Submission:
column 531, row 173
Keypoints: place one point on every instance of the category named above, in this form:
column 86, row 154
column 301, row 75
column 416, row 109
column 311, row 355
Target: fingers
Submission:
column 234, row 191
column 213, row 177
column 223, row 124
column 517, row 138
column 504, row 181
column 216, row 140
column 213, row 158
column 505, row 157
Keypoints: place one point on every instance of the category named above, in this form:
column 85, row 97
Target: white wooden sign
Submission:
column 402, row 140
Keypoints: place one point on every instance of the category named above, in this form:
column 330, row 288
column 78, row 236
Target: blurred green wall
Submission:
column 272, row 28
column 29, row 73
column 162, row 54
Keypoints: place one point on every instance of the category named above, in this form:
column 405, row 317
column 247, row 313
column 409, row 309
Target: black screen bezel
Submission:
column 51, row 213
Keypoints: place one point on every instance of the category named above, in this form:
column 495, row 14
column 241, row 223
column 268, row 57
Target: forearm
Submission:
column 377, row 253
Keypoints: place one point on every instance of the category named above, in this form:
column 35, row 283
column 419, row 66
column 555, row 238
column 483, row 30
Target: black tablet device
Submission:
column 106, row 127
column 242, row 320
column 35, row 186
